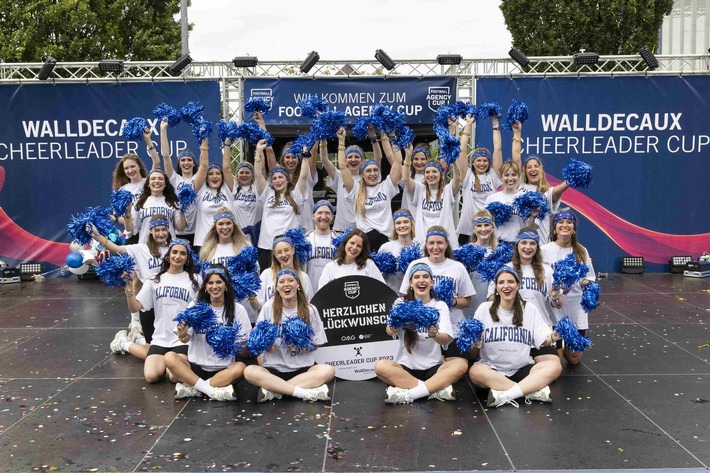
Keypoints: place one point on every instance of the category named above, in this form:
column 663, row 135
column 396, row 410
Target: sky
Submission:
column 287, row 30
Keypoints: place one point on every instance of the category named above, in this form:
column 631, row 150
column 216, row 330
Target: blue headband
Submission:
column 288, row 271
column 186, row 153
column 214, row 166
column 420, row 267
column 528, row 236
column 158, row 223
column 322, row 203
column 483, row 220
column 223, row 215
column 436, row 233
column 354, row 149
column 279, row 240
column 567, row 215
column 434, row 164
column 156, row 170
column 481, row 152
column 184, row 243
column 421, row 150
column 402, row 213
column 369, row 162
column 214, row 270
column 530, row 158
column 245, row 165
column 507, row 269
column 281, row 170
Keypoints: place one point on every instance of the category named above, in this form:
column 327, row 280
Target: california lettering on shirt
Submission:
column 154, row 262
column 379, row 197
column 217, row 197
column 148, row 212
column 508, row 334
column 485, row 187
column 282, row 203
column 432, row 205
column 322, row 252
column 531, row 284
column 172, row 292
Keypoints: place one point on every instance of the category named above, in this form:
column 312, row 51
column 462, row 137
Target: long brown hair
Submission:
column 119, row 175
column 410, row 336
column 536, row 262
column 276, row 263
column 287, row 194
column 293, row 178
column 153, row 247
column 542, row 184
column 168, row 192
column 440, row 186
column 428, row 158
column 518, row 303
column 188, row 267
column 302, row 305
column 476, row 180
column 448, row 253
column 364, row 255
column 580, row 252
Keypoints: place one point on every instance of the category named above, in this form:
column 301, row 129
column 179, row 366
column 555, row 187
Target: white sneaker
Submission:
column 397, row 396
column 225, row 393
column 446, row 394
column 115, row 346
column 183, row 390
column 542, row 395
column 317, row 394
column 263, row 395
column 498, row 398
column 135, row 333
column 135, row 324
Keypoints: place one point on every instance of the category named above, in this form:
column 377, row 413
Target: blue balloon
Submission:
column 75, row 260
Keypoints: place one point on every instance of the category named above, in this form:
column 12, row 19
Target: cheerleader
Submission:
column 129, row 175
column 421, row 155
column 321, row 240
column 484, row 235
column 564, row 241
column 352, row 258
column 158, row 197
column 511, row 328
column 168, row 293
column 481, row 179
column 420, row 370
column 281, row 371
column 204, row 371
column 402, row 237
column 282, row 202
column 510, row 175
column 371, row 197
column 246, row 197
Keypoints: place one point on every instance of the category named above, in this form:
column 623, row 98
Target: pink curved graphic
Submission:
column 21, row 245
column 655, row 247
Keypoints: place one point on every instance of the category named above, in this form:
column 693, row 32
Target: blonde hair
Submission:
column 510, row 165
column 239, row 240
column 476, row 180
column 411, row 229
column 494, row 236
column 542, row 184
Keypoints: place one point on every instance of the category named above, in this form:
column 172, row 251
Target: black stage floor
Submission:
column 640, row 400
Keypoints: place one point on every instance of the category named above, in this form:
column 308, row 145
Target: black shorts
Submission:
column 286, row 375
column 548, row 350
column 132, row 240
column 452, row 351
column 147, row 319
column 158, row 350
column 422, row 375
column 202, row 373
column 521, row 374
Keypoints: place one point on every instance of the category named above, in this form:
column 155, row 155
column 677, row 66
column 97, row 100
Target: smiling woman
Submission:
column 351, row 258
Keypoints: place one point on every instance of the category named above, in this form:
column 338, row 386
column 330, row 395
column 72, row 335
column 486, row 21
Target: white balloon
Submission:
column 89, row 257
column 76, row 247
column 80, row 270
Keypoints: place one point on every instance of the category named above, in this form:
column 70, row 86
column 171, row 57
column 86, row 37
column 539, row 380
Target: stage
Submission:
column 640, row 400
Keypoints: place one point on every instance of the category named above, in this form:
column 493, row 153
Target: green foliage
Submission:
column 89, row 30
column 563, row 27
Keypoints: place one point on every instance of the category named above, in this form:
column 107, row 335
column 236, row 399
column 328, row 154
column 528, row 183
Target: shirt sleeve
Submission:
column 145, row 296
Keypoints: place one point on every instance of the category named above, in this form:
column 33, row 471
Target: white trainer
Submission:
column 446, row 394
column 542, row 395
column 317, row 394
column 183, row 390
column 135, row 324
column 225, row 393
column 263, row 395
column 396, row 395
column 115, row 346
column 498, row 398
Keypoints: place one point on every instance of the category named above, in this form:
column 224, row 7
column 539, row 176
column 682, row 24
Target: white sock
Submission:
column 299, row 392
column 140, row 341
column 419, row 391
column 204, row 387
column 514, row 393
column 135, row 316
column 125, row 345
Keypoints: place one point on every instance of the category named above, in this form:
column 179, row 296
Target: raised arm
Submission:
column 462, row 161
column 165, row 149
column 259, row 176
column 376, row 149
column 558, row 190
column 348, row 180
column 455, row 180
column 517, row 150
column 387, row 147
column 134, row 304
column 313, row 161
column 151, row 149
column 307, row 168
column 106, row 243
column 396, row 171
column 270, row 155
column 201, row 174
column 227, row 164
column 409, row 184
column 497, row 146
column 327, row 165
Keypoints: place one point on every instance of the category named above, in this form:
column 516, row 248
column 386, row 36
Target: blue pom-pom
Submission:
column 444, row 290
column 386, row 262
column 490, row 265
column 570, row 334
column 301, row 245
column 501, row 212
column 111, row 270
column 79, row 226
column 336, row 241
column 186, row 197
column 253, row 133
column 528, row 202
column 404, row 136
column 590, row 296
column 297, row 334
column 201, row 129
column 461, row 109
column 262, row 337
column 470, row 255
column 566, row 272
column 407, row 255
column 449, row 147
column 133, row 129
column 327, row 124
column 192, row 112
column 224, row 339
column 578, row 174
column 412, row 314
column 257, row 104
column 163, row 110
column 245, row 283
column 504, row 251
column 228, row 129
column 470, row 332
column 119, row 202
column 361, row 127
column 200, row 317
column 245, row 261
column 441, row 117
column 199, row 265
column 386, row 119
column 517, row 112
column 312, row 106
column 302, row 145
column 489, row 110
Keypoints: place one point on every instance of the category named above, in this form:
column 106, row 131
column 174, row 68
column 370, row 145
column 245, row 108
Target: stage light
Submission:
column 449, row 59
column 47, row 68
column 30, row 269
column 309, row 62
column 632, row 265
column 111, row 65
column 245, row 61
column 678, row 264
column 648, row 56
column 519, row 57
column 384, row 59
column 180, row 64
column 583, row 58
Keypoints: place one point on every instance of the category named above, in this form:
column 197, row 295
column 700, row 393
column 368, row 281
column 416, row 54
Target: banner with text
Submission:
column 417, row 98
column 60, row 145
column 648, row 140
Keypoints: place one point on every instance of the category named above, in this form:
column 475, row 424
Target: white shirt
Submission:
column 378, row 209
column 427, row 352
column 147, row 265
column 268, row 286
column 406, row 198
column 247, row 207
column 178, row 183
column 345, row 211
column 394, row 247
column 475, row 201
column 531, row 292
column 151, row 207
column 438, row 211
column 543, row 225
column 322, row 253
column 207, row 202
column 135, row 188
column 276, row 220
column 333, row 270
column 202, row 354
column 506, row 348
column 281, row 358
column 509, row 230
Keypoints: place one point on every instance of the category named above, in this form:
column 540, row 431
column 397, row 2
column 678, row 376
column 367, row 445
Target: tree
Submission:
column 89, row 30
column 563, row 27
